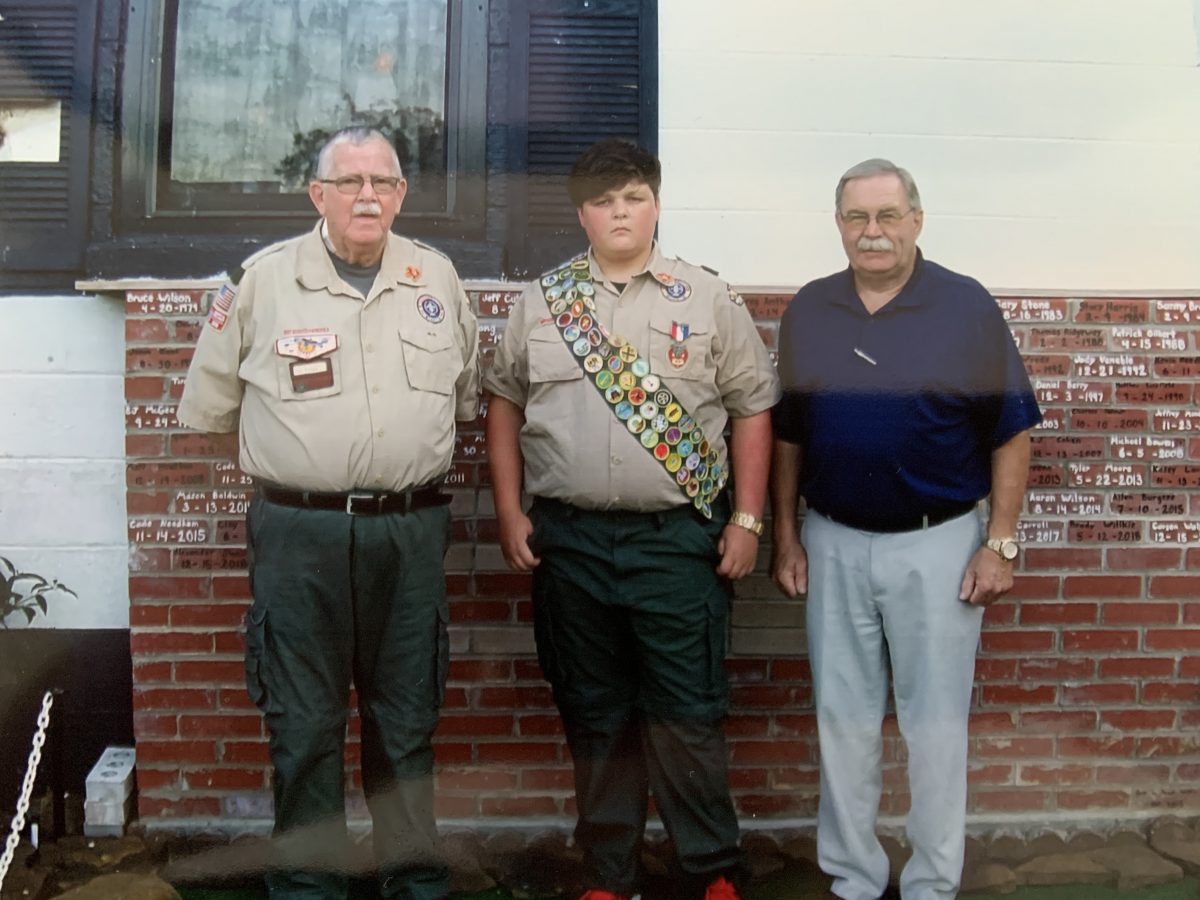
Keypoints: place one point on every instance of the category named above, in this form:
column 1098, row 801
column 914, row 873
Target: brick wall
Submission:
column 1087, row 688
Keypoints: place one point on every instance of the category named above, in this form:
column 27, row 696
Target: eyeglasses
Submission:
column 352, row 184
column 857, row 220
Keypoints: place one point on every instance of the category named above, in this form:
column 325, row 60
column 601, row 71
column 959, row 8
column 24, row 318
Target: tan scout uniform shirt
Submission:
column 404, row 367
column 575, row 448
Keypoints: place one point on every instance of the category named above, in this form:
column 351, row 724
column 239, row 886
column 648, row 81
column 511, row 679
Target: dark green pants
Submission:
column 340, row 598
column 630, row 619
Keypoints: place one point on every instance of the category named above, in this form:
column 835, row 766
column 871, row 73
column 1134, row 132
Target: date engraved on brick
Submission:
column 1106, row 475
column 1066, row 503
column 1147, row 447
column 1175, row 532
column 1147, row 504
column 1108, row 365
column 1032, row 309
column 1182, row 421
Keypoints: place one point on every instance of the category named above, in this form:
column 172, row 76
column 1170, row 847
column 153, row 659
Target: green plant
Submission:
column 25, row 592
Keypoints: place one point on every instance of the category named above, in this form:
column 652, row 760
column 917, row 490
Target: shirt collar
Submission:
column 908, row 296
column 398, row 266
column 656, row 263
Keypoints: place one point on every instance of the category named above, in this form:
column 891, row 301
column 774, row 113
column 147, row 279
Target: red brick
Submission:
column 517, row 753
column 792, row 725
column 516, row 697
column 148, row 615
column 452, row 754
column 207, row 615
column 1128, row 531
column 138, row 503
column 1034, row 587
column 225, row 779
column 151, row 642
column 1177, row 639
column 1056, row 669
column 220, row 726
column 1066, row 446
column 1082, row 800
column 1119, row 312
column 1099, row 641
column 1008, row 801
column 155, row 587
column 1057, row 722
column 231, row 587
column 1143, row 557
column 1138, row 719
column 990, row 723
column 480, row 611
column 172, row 699
column 176, row 751
column 214, row 671
column 491, row 671
column 1060, row 773
column 1015, row 747
column 1059, row 613
column 144, row 446
column 140, row 360
column 151, row 672
column 1136, row 667
column 1132, row 774
column 502, row 584
column 794, row 803
column 1158, row 746
column 1091, row 747
column 989, row 669
column 1182, row 694
column 767, row 306
column 539, row 726
column 1018, row 695
column 1047, row 365
column 149, row 779
column 447, row 807
column 144, row 387
column 174, row 474
column 741, row 780
column 1067, row 339
column 1017, row 641
column 153, row 725
column 519, row 806
column 475, row 726
column 1109, row 420
column 234, row 700
column 1140, row 613
column 458, row 779
column 743, row 726
column 770, row 753
column 1099, row 694
column 562, row 779
column 1037, row 558
column 177, row 807
column 1185, row 587
column 1102, row 586
column 1182, row 475
column 246, row 752
column 781, row 670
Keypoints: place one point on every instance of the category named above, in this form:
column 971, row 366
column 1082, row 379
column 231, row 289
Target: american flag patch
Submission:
column 218, row 315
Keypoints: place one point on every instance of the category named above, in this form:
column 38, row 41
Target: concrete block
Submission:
column 111, row 778
column 104, row 812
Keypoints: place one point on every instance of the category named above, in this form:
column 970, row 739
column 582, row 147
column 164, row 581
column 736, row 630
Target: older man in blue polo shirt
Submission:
column 905, row 404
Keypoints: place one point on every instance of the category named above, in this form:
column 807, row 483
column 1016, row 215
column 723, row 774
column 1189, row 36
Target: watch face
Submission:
column 1008, row 550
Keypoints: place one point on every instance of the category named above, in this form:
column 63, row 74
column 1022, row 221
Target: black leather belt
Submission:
column 357, row 503
column 906, row 523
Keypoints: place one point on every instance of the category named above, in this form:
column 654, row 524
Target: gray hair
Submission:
column 869, row 167
column 358, row 136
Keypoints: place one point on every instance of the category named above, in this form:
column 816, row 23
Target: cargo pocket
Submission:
column 716, row 687
column 256, row 626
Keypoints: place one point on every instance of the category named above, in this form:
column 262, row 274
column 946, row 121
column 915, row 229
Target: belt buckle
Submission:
column 351, row 497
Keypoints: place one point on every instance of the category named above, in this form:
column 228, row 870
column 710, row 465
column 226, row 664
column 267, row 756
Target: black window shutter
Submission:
column 46, row 53
column 581, row 70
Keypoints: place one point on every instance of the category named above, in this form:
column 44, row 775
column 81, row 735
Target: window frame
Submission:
column 139, row 207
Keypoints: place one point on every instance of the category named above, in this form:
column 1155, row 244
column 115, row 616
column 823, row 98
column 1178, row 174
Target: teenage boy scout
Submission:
column 610, row 393
column 342, row 358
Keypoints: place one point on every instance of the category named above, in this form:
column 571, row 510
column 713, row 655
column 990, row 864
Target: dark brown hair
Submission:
column 611, row 163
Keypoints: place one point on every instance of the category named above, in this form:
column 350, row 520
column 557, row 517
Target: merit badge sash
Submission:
column 636, row 396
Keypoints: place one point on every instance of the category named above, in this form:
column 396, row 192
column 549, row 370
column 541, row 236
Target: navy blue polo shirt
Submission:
column 898, row 412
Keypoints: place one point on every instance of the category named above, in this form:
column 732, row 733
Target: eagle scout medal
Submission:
column 218, row 313
column 647, row 408
column 430, row 308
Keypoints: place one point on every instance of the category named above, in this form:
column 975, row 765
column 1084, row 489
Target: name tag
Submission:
column 311, row 376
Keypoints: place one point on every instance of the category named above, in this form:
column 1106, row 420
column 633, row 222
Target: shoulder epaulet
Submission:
column 711, row 271
column 708, row 269
column 434, row 250
column 254, row 258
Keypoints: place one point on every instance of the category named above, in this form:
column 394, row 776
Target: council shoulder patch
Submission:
column 222, row 306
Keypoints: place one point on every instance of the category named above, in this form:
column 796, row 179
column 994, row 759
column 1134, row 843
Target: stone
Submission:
column 1085, row 840
column 1045, row 844
column 974, row 851
column 989, row 878
column 1170, row 837
column 463, row 851
column 1007, row 849
column 803, row 848
column 96, row 856
column 123, row 886
column 1137, row 867
column 24, row 884
column 763, row 854
column 1063, row 868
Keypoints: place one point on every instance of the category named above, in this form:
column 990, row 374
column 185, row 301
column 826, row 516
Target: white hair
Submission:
column 870, row 167
column 356, row 136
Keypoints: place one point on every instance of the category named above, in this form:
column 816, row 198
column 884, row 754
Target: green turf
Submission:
column 1188, row 889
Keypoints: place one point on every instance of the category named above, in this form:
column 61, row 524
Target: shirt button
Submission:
column 370, row 348
column 379, row 433
column 616, row 460
column 375, row 390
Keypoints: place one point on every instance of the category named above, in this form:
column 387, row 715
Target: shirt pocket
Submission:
column 311, row 378
column 431, row 360
column 680, row 350
column 550, row 359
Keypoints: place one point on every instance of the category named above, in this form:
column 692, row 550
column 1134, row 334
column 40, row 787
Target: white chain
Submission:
column 35, row 757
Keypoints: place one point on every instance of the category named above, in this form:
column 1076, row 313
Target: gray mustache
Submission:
column 879, row 243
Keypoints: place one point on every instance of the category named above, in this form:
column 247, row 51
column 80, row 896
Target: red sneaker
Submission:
column 721, row 889
column 605, row 895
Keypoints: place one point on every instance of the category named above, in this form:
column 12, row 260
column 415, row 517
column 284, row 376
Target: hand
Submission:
column 739, row 550
column 987, row 579
column 789, row 568
column 515, row 530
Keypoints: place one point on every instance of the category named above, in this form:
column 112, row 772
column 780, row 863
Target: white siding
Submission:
column 1056, row 144
column 62, row 453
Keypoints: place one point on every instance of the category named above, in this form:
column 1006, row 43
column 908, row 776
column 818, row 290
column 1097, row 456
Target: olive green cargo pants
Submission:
column 340, row 598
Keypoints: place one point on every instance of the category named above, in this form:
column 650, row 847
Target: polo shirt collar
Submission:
column 909, row 294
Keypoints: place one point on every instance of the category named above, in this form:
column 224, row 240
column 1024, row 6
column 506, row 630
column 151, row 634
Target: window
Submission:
column 226, row 101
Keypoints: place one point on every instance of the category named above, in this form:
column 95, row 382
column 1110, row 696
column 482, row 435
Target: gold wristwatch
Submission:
column 747, row 521
column 1006, row 548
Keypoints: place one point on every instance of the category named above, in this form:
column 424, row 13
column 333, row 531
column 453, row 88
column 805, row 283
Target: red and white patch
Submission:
column 222, row 305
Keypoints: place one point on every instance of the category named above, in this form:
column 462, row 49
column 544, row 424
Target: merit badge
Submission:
column 662, row 398
column 649, row 411
column 553, row 293
column 627, row 381
column 659, row 423
column 628, row 353
column 614, row 395
column 615, row 365
column 649, row 439
column 430, row 308
column 550, row 280
column 218, row 314
column 672, row 436
column 582, row 347
column 616, row 340
column 558, row 307
column 580, row 264
column 641, row 368
column 563, row 320
column 596, row 337
column 571, row 333
column 673, row 463
column 677, row 289
column 593, row 363
column 636, row 424
column 604, row 380
column 586, row 289
column 577, row 309
column 677, row 355
column 637, row 395
column 624, row 410
column 680, row 331
column 673, row 412
column 661, row 452
column 412, row 273
column 651, row 383
column 585, row 322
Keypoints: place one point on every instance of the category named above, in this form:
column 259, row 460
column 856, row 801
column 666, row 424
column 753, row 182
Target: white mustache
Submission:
column 878, row 244
column 367, row 208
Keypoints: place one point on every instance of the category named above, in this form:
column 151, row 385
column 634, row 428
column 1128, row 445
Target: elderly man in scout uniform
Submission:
column 893, row 444
column 343, row 358
column 610, row 393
